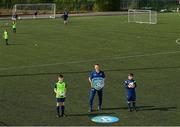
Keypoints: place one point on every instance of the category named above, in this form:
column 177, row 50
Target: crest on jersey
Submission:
column 98, row 83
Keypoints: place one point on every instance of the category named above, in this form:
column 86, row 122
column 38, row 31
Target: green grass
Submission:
column 28, row 71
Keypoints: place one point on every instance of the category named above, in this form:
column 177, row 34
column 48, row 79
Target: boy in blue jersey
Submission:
column 130, row 86
column 96, row 79
column 65, row 17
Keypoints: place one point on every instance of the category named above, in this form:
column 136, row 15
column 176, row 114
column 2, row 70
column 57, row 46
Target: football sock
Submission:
column 91, row 108
column 6, row 42
column 134, row 105
column 62, row 110
column 129, row 105
column 57, row 108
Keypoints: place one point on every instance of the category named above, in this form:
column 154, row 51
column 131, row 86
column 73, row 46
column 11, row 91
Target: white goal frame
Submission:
column 142, row 16
column 27, row 11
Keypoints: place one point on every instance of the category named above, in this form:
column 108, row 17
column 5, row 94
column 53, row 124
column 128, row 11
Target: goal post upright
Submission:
column 54, row 10
column 150, row 16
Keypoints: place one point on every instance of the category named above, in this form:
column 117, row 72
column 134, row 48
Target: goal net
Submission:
column 142, row 16
column 30, row 11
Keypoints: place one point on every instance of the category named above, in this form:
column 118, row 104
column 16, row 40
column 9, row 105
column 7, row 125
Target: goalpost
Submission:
column 31, row 11
column 142, row 16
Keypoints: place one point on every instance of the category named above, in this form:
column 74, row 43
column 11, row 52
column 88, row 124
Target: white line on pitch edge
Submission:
column 90, row 60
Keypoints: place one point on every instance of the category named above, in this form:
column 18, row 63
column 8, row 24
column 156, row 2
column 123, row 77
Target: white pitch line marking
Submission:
column 90, row 60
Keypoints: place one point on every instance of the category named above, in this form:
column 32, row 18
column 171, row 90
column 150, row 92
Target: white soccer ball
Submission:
column 131, row 85
column 62, row 94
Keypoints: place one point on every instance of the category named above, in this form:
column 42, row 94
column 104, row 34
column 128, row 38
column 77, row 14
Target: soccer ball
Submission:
column 62, row 94
column 131, row 85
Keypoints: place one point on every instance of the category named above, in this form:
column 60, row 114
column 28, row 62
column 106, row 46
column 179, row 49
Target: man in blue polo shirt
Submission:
column 96, row 79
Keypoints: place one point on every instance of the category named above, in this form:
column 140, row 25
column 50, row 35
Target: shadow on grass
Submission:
column 3, row 124
column 126, row 108
column 139, row 108
column 159, row 109
column 13, row 44
column 144, row 108
column 81, row 72
column 90, row 114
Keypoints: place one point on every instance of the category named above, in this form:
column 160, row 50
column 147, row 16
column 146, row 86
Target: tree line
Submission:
column 98, row 5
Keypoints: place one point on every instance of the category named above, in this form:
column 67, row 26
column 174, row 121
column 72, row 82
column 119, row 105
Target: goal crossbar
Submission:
column 26, row 11
column 142, row 16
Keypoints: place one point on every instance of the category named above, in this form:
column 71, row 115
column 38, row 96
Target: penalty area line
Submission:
column 90, row 60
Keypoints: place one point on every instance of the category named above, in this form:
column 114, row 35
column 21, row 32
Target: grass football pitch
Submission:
column 43, row 48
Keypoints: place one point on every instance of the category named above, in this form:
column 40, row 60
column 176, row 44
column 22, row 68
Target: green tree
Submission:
column 108, row 5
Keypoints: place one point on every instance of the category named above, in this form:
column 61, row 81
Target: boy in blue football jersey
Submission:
column 130, row 86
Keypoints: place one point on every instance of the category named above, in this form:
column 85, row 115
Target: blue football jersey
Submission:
column 94, row 74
